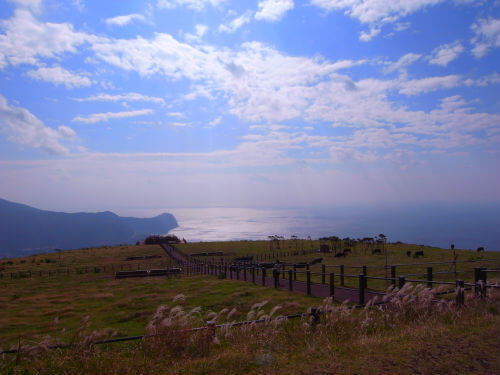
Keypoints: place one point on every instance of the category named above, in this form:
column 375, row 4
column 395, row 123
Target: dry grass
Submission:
column 410, row 335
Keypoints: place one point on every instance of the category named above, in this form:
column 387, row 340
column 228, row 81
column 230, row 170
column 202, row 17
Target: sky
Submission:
column 267, row 103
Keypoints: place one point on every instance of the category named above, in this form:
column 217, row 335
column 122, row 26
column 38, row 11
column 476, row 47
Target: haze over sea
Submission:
column 468, row 226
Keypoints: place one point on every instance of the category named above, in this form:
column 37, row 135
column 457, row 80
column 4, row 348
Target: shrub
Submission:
column 157, row 239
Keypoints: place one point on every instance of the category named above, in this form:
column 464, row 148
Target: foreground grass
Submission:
column 32, row 308
column 413, row 336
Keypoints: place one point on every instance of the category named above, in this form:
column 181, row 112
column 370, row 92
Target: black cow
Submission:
column 418, row 254
column 348, row 250
column 480, row 249
column 408, row 253
column 376, row 251
column 338, row 255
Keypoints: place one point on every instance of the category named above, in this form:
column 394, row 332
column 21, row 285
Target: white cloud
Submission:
column 446, row 53
column 66, row 132
column 197, row 5
column 175, row 114
column 423, row 85
column 273, row 10
column 26, row 129
column 371, row 11
column 25, row 39
column 235, row 24
column 402, row 63
column 103, row 117
column 125, row 19
column 199, row 31
column 376, row 12
column 129, row 97
column 491, row 79
column 60, row 76
column 367, row 36
column 487, row 36
column 215, row 122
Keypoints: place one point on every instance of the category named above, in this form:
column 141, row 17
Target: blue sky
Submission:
column 268, row 103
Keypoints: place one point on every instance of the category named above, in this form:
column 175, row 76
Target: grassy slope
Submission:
column 28, row 308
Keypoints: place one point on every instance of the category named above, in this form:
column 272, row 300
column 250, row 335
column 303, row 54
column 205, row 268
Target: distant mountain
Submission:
column 27, row 230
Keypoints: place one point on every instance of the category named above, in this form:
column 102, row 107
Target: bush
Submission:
column 156, row 239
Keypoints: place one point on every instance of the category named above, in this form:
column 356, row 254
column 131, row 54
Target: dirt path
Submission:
column 317, row 290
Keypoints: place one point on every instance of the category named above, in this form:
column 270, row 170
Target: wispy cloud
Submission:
column 238, row 22
column 446, row 53
column 197, row 5
column 487, row 36
column 60, row 76
column 124, row 19
column 376, row 12
column 106, row 116
column 26, row 129
column 128, row 97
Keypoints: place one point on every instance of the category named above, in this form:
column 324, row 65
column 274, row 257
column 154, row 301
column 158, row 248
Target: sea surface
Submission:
column 467, row 226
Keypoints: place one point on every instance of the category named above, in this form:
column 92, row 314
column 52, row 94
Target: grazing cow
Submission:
column 408, row 253
column 418, row 254
column 376, row 251
column 317, row 260
column 480, row 249
column 323, row 248
column 348, row 250
column 338, row 255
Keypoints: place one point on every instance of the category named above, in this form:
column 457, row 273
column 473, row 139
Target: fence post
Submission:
column 393, row 275
column 323, row 275
column 275, row 275
column 230, row 272
column 307, row 266
column 361, row 285
column 263, row 276
column 401, row 282
column 308, row 273
column 290, row 281
column 477, row 277
column 477, row 274
column 460, row 292
column 429, row 277
column 341, row 275
column 245, row 273
column 253, row 275
column 483, row 274
column 332, row 286
column 294, row 272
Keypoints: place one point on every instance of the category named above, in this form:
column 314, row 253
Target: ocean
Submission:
column 467, row 226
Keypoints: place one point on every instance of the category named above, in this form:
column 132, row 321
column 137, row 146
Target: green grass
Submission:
column 28, row 307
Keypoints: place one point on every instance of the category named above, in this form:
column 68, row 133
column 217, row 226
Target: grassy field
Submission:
column 54, row 309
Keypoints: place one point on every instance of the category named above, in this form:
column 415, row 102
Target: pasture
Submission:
column 81, row 295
